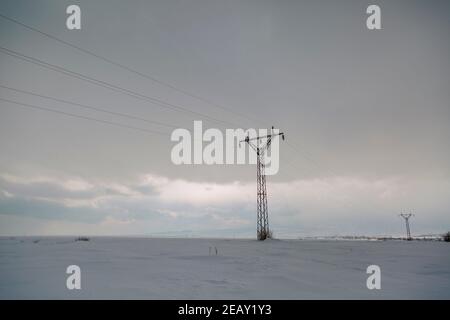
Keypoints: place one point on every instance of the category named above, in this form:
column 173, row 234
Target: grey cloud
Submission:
column 338, row 205
column 41, row 209
column 43, row 189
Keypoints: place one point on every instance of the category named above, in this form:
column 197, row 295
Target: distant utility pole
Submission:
column 406, row 217
column 262, row 212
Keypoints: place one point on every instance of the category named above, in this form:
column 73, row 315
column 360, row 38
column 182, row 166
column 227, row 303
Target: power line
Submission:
column 107, row 85
column 262, row 211
column 408, row 230
column 84, row 117
column 144, row 75
column 129, row 92
column 347, row 202
column 90, row 107
column 99, row 82
column 122, row 66
column 305, row 155
column 149, row 77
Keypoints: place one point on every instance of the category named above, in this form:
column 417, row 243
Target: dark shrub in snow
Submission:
column 446, row 237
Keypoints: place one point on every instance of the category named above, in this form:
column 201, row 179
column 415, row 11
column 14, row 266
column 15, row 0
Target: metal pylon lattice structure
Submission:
column 408, row 230
column 262, row 212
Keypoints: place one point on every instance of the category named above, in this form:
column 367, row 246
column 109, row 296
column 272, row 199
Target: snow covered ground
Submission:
column 150, row 268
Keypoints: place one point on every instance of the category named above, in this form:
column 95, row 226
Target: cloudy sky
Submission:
column 366, row 116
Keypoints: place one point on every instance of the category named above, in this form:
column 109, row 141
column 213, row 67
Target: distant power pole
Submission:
column 406, row 217
column 262, row 212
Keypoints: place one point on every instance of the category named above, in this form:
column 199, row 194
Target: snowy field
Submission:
column 150, row 268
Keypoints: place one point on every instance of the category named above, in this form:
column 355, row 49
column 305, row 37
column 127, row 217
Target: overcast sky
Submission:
column 366, row 115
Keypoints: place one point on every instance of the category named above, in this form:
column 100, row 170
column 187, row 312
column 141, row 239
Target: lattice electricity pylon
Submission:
column 262, row 212
column 406, row 217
